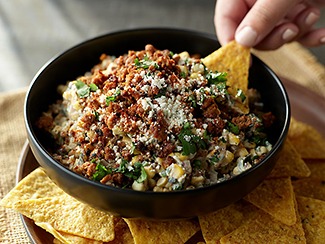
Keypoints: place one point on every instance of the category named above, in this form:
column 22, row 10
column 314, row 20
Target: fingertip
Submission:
column 313, row 38
column 246, row 36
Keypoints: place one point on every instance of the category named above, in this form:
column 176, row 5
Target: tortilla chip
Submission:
column 150, row 231
column 265, row 229
column 234, row 59
column 307, row 140
column 317, row 168
column 289, row 163
column 224, row 221
column 39, row 199
column 275, row 197
column 309, row 187
column 34, row 186
column 61, row 237
column 68, row 215
column 312, row 213
column 122, row 235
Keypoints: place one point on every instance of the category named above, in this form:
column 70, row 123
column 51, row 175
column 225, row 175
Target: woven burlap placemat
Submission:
column 291, row 61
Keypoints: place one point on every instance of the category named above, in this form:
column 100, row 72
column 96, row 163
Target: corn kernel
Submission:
column 229, row 157
column 139, row 186
column 242, row 152
column 152, row 183
column 233, row 139
column 176, row 171
column 197, row 180
column 150, row 171
column 261, row 150
column 162, row 181
column 157, row 189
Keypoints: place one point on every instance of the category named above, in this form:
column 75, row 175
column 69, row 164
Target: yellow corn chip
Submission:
column 34, row 186
column 307, row 140
column 234, row 59
column 275, row 197
column 146, row 231
column 312, row 213
column 122, row 236
column 68, row 215
column 265, row 229
column 317, row 168
column 224, row 221
column 289, row 163
column 61, row 237
column 39, row 199
column 309, row 187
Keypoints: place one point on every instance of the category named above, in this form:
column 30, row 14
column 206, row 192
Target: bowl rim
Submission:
column 31, row 133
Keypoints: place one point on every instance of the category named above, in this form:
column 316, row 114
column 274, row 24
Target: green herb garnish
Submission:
column 241, row 95
column 145, row 63
column 110, row 99
column 216, row 77
column 101, row 172
column 190, row 142
column 233, row 128
column 83, row 90
column 93, row 87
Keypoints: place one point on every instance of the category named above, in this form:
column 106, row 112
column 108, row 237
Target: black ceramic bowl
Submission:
column 159, row 205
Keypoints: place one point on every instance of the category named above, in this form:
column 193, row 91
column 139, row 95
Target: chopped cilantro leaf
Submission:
column 233, row 128
column 190, row 142
column 192, row 99
column 145, row 63
column 110, row 99
column 93, row 87
column 216, row 77
column 137, row 172
column 82, row 89
column 143, row 175
column 241, row 95
column 101, row 172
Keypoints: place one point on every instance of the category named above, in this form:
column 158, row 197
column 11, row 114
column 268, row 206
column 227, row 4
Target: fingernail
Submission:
column 322, row 40
column 311, row 18
column 289, row 34
column 246, row 36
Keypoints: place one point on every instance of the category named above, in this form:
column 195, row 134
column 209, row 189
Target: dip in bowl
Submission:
column 130, row 188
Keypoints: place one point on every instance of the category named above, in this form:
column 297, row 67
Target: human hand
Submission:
column 268, row 24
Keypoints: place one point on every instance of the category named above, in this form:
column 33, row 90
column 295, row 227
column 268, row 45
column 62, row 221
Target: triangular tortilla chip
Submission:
column 222, row 222
column 265, row 229
column 309, row 187
column 307, row 140
column 312, row 213
column 122, row 235
column 234, row 59
column 68, row 215
column 289, row 164
column 153, row 232
column 275, row 197
column 39, row 199
column 317, row 168
column 64, row 238
column 34, row 186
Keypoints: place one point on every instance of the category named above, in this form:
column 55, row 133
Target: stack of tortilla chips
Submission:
column 287, row 207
